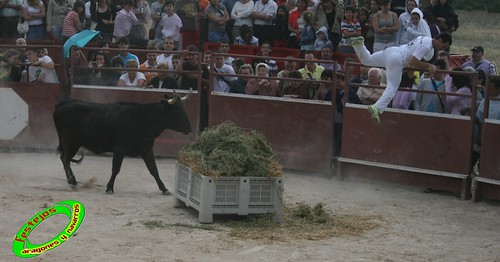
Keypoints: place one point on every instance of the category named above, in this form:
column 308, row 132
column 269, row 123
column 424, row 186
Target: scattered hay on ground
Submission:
column 227, row 150
column 302, row 222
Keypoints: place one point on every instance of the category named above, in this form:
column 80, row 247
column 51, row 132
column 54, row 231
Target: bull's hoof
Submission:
column 166, row 192
column 72, row 183
column 109, row 191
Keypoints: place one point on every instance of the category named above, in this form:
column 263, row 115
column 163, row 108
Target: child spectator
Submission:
column 171, row 24
column 350, row 26
column 322, row 39
column 307, row 35
column 132, row 78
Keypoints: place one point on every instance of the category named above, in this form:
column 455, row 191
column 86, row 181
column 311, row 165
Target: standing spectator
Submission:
column 229, row 4
column 261, row 86
column 296, row 24
column 150, row 63
column 432, row 102
column 280, row 27
column 217, row 19
column 445, row 15
column 311, row 70
column 33, row 11
column 246, row 37
column 405, row 22
column 242, row 15
column 56, row 12
column 398, row 6
column 322, row 39
column 364, row 23
column 132, row 78
column 477, row 61
column 330, row 13
column 188, row 11
column 418, row 26
column 162, row 79
column 264, row 12
column 222, row 83
column 104, row 15
column 431, row 22
column 370, row 35
column 9, row 16
column 171, row 25
column 350, row 26
column 307, row 36
column 142, row 12
column 385, row 25
column 157, row 12
column 74, row 20
column 40, row 70
column 125, row 18
column 239, row 85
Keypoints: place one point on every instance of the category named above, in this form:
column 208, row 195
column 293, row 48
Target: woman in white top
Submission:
column 242, row 15
column 132, row 78
column 419, row 26
column 33, row 11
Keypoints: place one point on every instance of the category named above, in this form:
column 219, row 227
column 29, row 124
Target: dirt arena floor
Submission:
column 413, row 225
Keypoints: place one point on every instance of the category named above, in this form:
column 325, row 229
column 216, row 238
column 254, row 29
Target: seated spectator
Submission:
column 224, row 49
column 77, row 67
column 324, row 88
column 461, row 84
column 97, row 76
column 132, row 78
column 369, row 95
column 40, row 70
column 150, row 63
column 311, row 70
column 241, row 13
column 239, row 85
column 477, row 61
column 21, row 41
column 262, row 86
column 123, row 44
column 207, row 56
column 10, row 66
column 116, row 62
column 405, row 99
column 162, row 79
column 265, row 53
column 297, row 89
column 326, row 54
column 222, row 83
column 322, row 39
column 237, row 63
column 432, row 102
column 246, row 37
column 290, row 65
column 494, row 107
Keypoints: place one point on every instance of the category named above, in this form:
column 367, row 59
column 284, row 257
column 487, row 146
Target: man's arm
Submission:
column 414, row 62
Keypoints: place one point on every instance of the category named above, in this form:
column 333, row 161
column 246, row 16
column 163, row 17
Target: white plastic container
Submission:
column 228, row 195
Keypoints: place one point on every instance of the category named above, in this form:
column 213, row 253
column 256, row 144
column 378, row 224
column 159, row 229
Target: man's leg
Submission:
column 375, row 59
column 394, row 70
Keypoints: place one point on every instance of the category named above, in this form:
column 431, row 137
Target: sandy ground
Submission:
column 416, row 226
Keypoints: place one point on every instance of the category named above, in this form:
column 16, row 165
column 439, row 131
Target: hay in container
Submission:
column 227, row 150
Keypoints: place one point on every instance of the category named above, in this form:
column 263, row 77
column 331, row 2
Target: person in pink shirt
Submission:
column 73, row 21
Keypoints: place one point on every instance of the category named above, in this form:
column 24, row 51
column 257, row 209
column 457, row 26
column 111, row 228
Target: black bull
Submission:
column 126, row 129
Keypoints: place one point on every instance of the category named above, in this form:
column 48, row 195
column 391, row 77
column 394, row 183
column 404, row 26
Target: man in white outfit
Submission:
column 395, row 58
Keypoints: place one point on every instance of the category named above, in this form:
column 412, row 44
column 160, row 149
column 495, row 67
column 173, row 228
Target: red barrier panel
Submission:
column 417, row 148
column 300, row 131
column 169, row 142
column 39, row 99
column 487, row 184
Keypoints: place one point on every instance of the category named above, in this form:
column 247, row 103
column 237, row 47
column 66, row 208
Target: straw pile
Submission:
column 227, row 150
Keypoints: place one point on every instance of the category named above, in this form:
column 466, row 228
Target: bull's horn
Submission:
column 172, row 101
column 184, row 98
